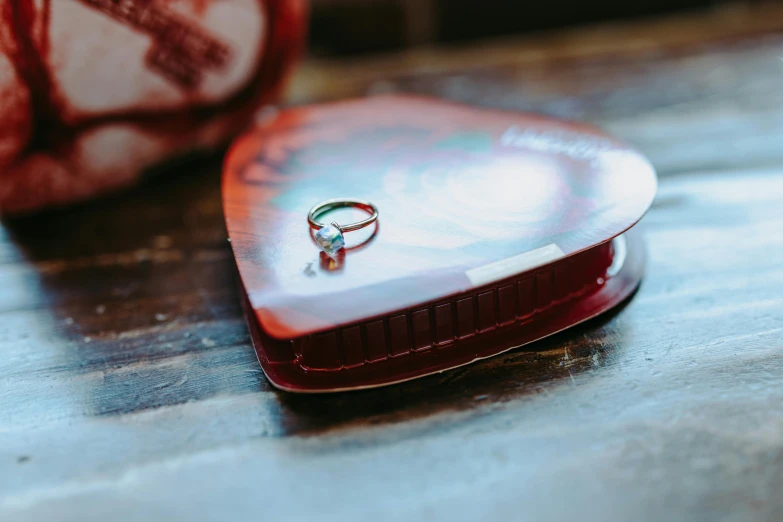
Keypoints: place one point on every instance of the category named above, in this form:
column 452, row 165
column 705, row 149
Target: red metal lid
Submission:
column 466, row 197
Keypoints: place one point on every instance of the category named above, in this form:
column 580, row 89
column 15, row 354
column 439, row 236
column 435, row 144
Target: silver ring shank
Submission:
column 331, row 204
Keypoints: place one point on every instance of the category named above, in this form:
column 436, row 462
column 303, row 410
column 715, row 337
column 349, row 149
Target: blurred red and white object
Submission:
column 93, row 92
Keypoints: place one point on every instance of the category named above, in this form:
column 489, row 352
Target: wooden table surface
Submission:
column 129, row 389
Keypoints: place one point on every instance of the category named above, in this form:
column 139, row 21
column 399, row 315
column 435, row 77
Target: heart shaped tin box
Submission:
column 496, row 229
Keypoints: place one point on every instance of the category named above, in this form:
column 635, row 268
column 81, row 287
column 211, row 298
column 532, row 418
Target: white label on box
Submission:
column 511, row 266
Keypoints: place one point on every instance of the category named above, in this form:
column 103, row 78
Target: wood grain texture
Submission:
column 129, row 389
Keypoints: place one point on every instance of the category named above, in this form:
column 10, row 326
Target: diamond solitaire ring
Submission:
column 330, row 237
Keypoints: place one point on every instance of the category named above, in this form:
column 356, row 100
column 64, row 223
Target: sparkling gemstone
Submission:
column 330, row 239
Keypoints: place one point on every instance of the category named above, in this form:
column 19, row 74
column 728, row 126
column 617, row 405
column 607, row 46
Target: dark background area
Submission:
column 347, row 27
